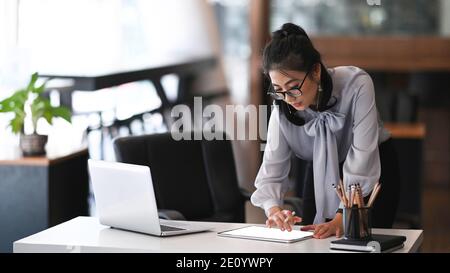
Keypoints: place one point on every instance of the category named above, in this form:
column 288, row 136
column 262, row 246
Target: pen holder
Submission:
column 357, row 223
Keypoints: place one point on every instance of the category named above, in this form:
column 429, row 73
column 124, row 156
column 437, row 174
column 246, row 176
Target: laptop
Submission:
column 125, row 199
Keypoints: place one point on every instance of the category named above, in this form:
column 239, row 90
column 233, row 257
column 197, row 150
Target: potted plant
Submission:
column 30, row 101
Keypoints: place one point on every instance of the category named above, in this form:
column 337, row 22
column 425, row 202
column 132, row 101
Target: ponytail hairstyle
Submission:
column 291, row 49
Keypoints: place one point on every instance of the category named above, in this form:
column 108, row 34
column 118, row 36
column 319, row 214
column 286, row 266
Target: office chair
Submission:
column 193, row 179
column 402, row 106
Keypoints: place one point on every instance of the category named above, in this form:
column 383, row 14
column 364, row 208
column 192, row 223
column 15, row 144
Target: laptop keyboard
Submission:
column 167, row 228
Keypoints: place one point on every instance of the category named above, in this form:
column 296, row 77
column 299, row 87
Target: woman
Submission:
column 329, row 117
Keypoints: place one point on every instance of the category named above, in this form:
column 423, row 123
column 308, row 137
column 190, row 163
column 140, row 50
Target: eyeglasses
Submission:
column 293, row 92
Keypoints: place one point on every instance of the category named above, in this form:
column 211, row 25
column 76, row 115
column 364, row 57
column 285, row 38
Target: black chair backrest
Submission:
column 195, row 177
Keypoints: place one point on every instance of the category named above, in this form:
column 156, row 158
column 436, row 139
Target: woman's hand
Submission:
column 283, row 219
column 325, row 230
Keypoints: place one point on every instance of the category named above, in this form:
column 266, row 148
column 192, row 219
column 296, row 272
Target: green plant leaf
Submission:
column 32, row 82
column 4, row 106
column 62, row 112
column 20, row 95
column 39, row 89
column 40, row 107
column 48, row 116
column 15, row 104
column 17, row 124
column 37, row 105
column 17, row 100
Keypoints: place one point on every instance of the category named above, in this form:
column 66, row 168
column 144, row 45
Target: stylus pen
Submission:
column 286, row 220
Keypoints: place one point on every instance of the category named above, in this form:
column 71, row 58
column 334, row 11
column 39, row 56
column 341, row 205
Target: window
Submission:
column 356, row 17
column 233, row 18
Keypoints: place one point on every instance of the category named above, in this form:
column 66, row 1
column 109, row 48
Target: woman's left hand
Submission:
column 325, row 230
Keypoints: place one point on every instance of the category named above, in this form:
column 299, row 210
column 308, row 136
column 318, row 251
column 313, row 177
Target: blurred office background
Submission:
column 403, row 44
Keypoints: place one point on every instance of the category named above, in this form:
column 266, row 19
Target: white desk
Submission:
column 85, row 234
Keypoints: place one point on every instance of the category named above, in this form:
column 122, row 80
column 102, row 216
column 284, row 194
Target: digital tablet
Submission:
column 267, row 234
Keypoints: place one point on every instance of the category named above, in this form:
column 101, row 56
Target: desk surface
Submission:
column 86, row 234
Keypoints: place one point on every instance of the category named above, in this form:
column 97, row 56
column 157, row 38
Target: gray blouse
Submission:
column 351, row 130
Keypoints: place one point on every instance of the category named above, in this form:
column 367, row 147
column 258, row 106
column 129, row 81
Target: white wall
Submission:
column 8, row 43
column 184, row 28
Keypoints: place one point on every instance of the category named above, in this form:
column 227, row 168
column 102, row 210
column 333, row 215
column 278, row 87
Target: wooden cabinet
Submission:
column 39, row 192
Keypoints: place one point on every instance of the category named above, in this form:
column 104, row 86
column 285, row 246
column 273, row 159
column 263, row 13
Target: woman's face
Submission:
column 283, row 80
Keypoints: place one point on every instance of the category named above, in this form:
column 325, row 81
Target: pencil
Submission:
column 360, row 195
column 338, row 192
column 358, row 199
column 374, row 196
column 350, row 201
column 373, row 191
column 343, row 193
column 353, row 191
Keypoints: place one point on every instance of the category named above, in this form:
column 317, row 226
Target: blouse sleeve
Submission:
column 362, row 164
column 272, row 179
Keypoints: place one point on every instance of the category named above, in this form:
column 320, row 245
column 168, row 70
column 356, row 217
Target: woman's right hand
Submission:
column 283, row 219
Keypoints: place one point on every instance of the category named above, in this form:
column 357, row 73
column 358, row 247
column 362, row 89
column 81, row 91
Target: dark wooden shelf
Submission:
column 406, row 130
column 43, row 160
column 385, row 53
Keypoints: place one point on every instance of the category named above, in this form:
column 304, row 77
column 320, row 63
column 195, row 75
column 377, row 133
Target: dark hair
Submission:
column 291, row 49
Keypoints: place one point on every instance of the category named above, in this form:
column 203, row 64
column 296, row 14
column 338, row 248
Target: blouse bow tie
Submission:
column 325, row 162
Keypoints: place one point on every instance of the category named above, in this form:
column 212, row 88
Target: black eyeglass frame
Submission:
column 281, row 95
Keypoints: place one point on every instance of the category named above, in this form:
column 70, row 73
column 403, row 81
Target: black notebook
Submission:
column 387, row 243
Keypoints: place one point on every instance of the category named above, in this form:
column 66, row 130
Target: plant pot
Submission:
column 33, row 145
